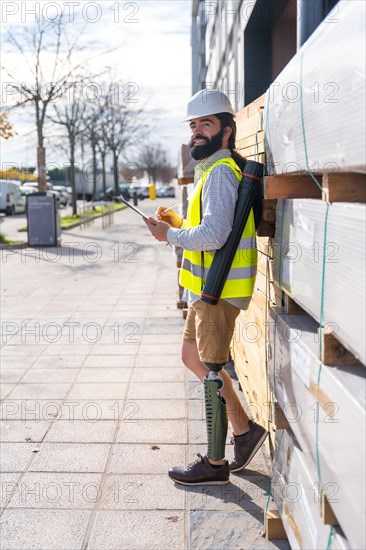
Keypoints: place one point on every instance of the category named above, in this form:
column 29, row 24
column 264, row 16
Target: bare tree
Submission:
column 122, row 128
column 71, row 116
column 153, row 159
column 47, row 81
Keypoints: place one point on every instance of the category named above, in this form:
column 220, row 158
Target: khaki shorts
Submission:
column 212, row 328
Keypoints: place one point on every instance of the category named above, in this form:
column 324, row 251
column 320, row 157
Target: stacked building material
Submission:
column 327, row 433
column 315, row 342
column 298, row 500
column 248, row 347
column 321, row 93
column 298, row 267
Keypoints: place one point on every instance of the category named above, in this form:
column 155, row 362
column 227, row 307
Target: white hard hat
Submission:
column 208, row 102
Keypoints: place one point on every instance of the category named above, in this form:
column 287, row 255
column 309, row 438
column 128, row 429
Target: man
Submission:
column 209, row 328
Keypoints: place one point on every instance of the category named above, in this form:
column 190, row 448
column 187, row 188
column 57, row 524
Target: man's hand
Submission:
column 169, row 216
column 158, row 229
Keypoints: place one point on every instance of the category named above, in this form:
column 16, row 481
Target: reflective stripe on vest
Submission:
column 196, row 264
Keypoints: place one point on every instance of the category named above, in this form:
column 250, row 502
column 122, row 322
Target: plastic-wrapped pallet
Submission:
column 333, row 90
column 293, row 351
column 297, row 500
column 300, row 234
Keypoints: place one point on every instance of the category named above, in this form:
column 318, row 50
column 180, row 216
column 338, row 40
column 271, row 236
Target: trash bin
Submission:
column 43, row 220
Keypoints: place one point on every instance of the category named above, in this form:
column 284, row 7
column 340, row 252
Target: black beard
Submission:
column 200, row 152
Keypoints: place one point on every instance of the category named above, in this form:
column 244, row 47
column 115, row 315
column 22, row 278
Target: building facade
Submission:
column 240, row 46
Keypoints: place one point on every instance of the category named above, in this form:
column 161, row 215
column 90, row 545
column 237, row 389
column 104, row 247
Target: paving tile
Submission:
column 92, row 411
column 22, row 350
column 44, row 529
column 115, row 361
column 98, row 391
column 50, row 376
column 5, row 390
column 141, row 458
column 82, row 431
column 153, row 374
column 138, row 530
column 196, row 409
column 153, row 432
column 17, row 362
column 8, row 484
column 57, row 490
column 30, row 409
column 104, row 374
column 195, row 390
column 15, row 457
column 249, row 494
column 171, row 338
column 11, row 376
column 163, row 329
column 219, row 530
column 139, row 409
column 59, row 362
column 40, row 391
column 116, row 349
column 166, row 361
column 71, row 457
column 147, row 491
column 157, row 390
column 72, row 349
column 19, row 430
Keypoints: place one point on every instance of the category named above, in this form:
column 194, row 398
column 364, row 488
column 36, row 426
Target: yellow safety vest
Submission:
column 196, row 264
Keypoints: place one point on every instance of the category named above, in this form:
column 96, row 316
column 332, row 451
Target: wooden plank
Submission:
column 266, row 229
column 248, row 126
column 257, row 137
column 273, row 526
column 344, row 187
column 333, row 352
column 293, row 524
column 265, row 246
column 291, row 187
column 185, row 180
column 250, row 150
column 327, row 513
column 269, row 210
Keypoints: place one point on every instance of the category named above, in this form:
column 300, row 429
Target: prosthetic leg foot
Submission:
column 216, row 416
column 201, row 471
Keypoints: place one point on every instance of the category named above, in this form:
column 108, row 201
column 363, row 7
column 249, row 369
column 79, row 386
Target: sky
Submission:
column 150, row 63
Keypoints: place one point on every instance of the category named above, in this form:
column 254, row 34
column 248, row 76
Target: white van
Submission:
column 12, row 201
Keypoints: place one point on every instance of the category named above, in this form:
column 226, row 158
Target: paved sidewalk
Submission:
column 97, row 405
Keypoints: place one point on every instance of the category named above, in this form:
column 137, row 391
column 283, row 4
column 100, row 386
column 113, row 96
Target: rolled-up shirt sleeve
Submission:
column 219, row 198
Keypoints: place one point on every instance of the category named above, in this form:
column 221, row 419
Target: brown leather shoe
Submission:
column 200, row 472
column 245, row 446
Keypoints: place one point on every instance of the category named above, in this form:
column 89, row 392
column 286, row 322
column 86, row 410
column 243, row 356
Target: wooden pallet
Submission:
column 335, row 187
column 273, row 526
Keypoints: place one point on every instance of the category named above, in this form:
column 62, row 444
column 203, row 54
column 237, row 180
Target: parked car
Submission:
column 65, row 197
column 168, row 191
column 110, row 192
column 12, row 201
column 142, row 191
column 33, row 185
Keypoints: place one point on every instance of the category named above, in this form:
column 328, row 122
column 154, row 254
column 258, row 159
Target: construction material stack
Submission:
column 310, row 293
column 315, row 148
column 248, row 347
